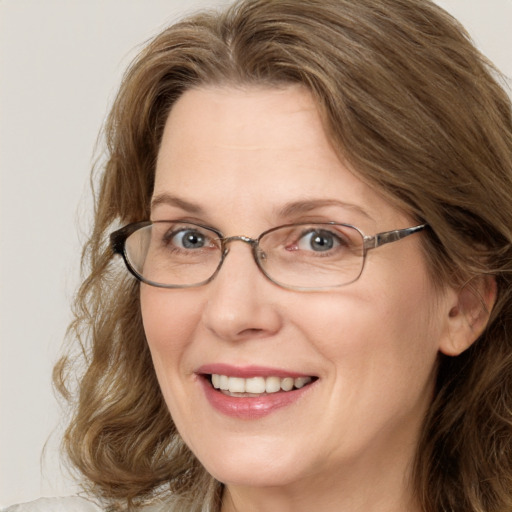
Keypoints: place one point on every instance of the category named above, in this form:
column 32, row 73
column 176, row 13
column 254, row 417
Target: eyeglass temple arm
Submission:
column 118, row 238
column 117, row 242
column 372, row 242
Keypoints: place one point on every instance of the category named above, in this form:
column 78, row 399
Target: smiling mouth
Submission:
column 256, row 386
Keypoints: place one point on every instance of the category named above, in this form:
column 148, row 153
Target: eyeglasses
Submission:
column 303, row 256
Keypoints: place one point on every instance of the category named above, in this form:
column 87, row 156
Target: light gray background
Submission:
column 60, row 65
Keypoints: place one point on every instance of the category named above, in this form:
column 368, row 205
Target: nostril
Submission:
column 251, row 331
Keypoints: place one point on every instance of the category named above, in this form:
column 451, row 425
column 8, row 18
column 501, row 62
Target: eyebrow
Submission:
column 171, row 200
column 290, row 209
column 305, row 206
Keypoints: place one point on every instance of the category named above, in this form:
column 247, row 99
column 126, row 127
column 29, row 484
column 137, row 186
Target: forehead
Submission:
column 252, row 151
column 251, row 120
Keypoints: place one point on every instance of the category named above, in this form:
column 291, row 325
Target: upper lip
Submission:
column 247, row 372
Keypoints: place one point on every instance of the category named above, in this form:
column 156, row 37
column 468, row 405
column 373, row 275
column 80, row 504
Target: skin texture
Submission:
column 241, row 155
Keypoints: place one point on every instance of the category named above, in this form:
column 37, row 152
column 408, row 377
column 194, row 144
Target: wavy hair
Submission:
column 420, row 115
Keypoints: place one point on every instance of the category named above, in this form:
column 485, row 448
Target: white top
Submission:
column 69, row 504
column 80, row 504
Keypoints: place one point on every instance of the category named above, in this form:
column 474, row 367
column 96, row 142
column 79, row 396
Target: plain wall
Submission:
column 60, row 64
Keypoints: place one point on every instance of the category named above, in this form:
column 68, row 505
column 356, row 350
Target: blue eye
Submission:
column 188, row 239
column 318, row 241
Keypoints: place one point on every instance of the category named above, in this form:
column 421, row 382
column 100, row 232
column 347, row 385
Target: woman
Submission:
column 314, row 197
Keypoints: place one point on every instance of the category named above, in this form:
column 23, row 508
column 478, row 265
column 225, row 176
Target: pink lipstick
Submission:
column 251, row 392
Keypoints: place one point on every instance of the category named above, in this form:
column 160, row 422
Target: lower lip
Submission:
column 250, row 408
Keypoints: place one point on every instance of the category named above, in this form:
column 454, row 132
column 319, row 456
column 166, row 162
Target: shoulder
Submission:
column 75, row 504
column 68, row 504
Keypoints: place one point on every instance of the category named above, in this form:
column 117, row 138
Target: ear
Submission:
column 468, row 313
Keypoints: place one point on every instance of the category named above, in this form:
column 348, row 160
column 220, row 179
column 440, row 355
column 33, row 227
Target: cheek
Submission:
column 168, row 318
column 369, row 321
column 402, row 307
column 169, row 323
column 380, row 341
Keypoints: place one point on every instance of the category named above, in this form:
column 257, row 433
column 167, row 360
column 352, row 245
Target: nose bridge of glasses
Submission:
column 248, row 240
column 252, row 242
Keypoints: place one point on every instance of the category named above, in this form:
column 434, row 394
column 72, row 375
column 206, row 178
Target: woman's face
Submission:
column 243, row 161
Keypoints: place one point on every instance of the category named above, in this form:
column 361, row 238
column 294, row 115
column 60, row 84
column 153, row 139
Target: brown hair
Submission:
column 418, row 113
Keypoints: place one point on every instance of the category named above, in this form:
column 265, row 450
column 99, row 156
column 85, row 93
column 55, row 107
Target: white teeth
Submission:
column 272, row 384
column 236, row 385
column 287, row 384
column 258, row 385
column 254, row 385
column 223, row 382
column 301, row 382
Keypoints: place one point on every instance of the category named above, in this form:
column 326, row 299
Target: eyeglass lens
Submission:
column 178, row 254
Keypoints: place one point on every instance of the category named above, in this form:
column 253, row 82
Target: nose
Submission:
column 241, row 302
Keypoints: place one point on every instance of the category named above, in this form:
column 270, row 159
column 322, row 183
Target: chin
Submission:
column 257, row 475
column 254, row 467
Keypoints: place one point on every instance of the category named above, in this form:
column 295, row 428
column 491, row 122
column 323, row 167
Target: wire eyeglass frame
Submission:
column 118, row 244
